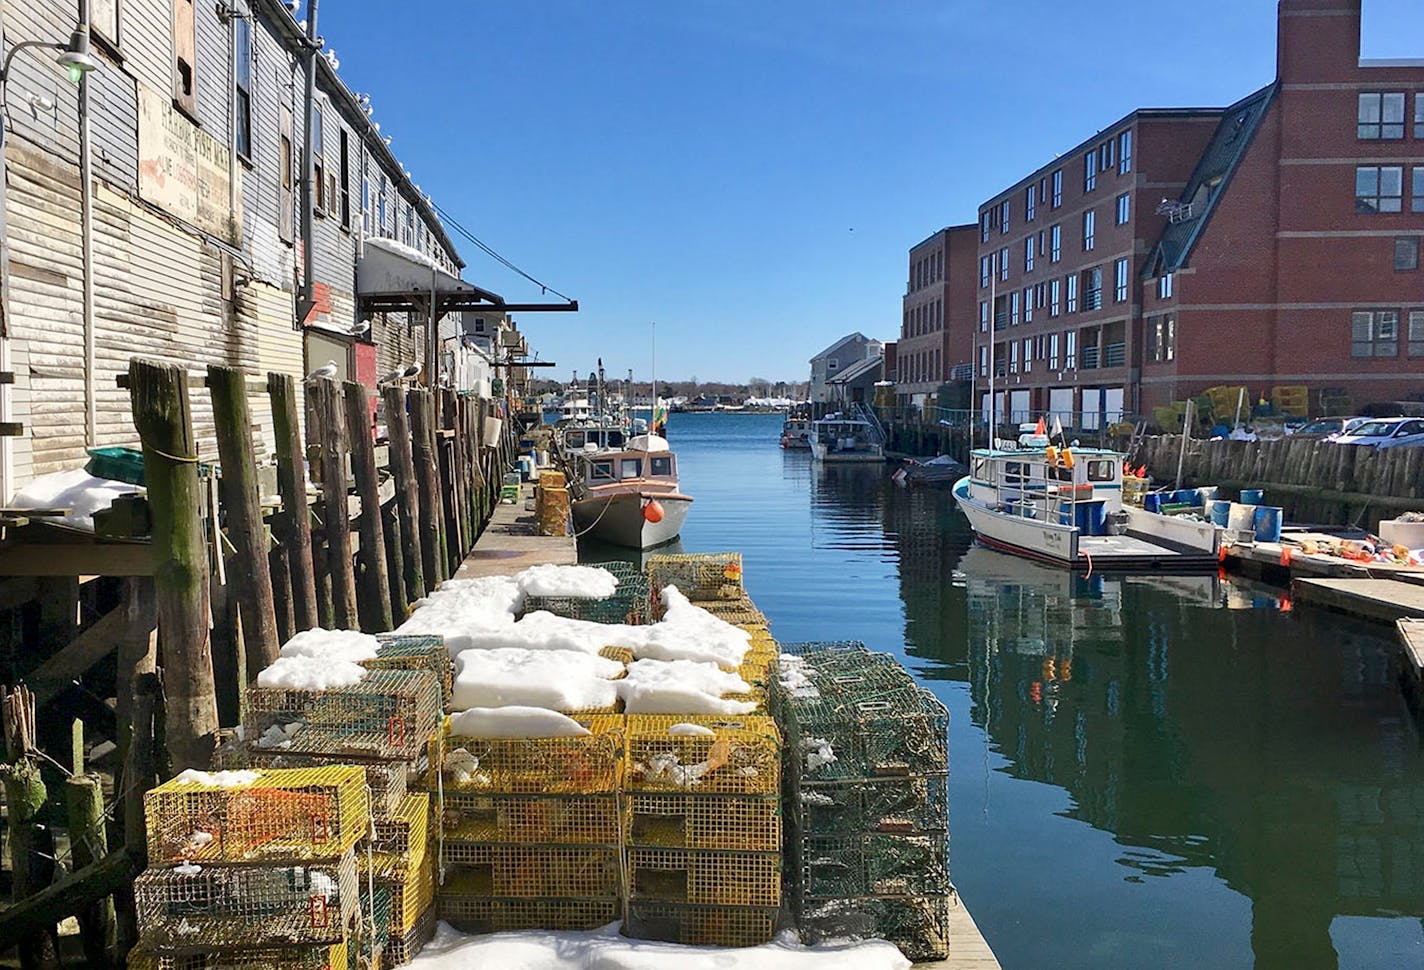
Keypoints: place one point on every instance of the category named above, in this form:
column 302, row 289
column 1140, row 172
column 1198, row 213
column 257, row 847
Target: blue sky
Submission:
column 750, row 174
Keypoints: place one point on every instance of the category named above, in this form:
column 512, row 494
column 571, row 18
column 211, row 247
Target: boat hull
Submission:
column 1142, row 548
column 820, row 452
column 617, row 518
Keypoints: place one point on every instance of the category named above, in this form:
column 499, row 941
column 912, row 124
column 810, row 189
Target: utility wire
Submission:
column 454, row 223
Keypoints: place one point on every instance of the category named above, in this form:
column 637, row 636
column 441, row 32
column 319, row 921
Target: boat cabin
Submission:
column 834, row 436
column 1071, row 486
column 601, row 439
column 612, row 467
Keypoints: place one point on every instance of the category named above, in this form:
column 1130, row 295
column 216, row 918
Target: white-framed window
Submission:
column 1070, row 350
column 1416, row 333
column 1379, row 188
column 1381, row 116
column 1416, row 196
column 983, row 316
column 984, row 270
column 1164, row 286
column 1120, row 281
column 1090, row 170
column 1057, row 188
column 1053, row 351
column 242, row 85
column 1374, row 333
column 1055, row 244
column 1419, row 114
column 1028, row 255
column 1028, row 354
column 1053, row 301
column 1090, row 230
column 1030, row 210
column 1013, row 356
column 1161, row 339
column 1004, row 216
column 1124, row 208
column 983, row 361
column 1070, row 299
column 1124, row 153
column 1028, row 304
column 1014, row 308
column 1004, row 263
column 1105, row 156
column 986, row 222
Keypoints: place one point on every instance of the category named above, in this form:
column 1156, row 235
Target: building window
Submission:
column 1162, row 339
column 1164, row 286
column 1057, row 188
column 185, row 45
column 319, row 199
column 1013, row 356
column 984, row 270
column 1014, row 308
column 1004, row 216
column 1092, row 288
column 1039, row 300
column 1070, row 299
column 1004, row 263
column 983, row 317
column 1090, row 170
column 1416, row 333
column 985, row 222
column 343, row 187
column 1028, row 304
column 1124, row 208
column 381, row 209
column 1070, row 350
column 1374, row 333
column 1124, row 153
column 1055, row 237
column 1053, row 304
column 366, row 205
column 1028, row 255
column 1416, row 198
column 1053, row 351
column 1028, row 354
column 1406, row 253
column 1381, row 116
column 1379, row 188
column 1105, row 156
column 1120, row 281
column 1030, row 210
column 983, row 361
column 242, row 84
column 1090, row 226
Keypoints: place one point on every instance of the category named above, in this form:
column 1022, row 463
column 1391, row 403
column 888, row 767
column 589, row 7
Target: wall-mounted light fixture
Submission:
column 74, row 56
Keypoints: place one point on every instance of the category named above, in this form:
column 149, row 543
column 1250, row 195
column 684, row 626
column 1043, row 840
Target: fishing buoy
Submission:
column 653, row 511
column 1067, row 458
column 1050, row 455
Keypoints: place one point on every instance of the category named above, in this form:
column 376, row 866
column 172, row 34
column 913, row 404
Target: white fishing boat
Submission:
column 856, row 437
column 629, row 496
column 1065, row 507
column 796, row 434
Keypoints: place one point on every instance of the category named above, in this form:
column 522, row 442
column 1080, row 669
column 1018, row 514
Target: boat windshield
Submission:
column 661, row 466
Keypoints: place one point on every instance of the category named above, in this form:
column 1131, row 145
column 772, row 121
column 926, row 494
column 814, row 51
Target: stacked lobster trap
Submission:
column 529, row 829
column 258, row 868
column 383, row 726
column 702, row 829
column 629, row 603
column 866, row 775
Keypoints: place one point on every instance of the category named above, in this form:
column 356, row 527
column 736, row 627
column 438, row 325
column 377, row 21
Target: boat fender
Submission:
column 1067, row 458
column 653, row 511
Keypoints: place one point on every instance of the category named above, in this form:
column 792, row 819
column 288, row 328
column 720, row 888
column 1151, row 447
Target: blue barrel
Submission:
column 1268, row 524
column 1097, row 519
column 1207, row 495
column 1252, row 496
column 1152, row 502
column 1220, row 513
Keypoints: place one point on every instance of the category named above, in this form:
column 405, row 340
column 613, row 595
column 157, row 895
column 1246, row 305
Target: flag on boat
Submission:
column 1040, row 428
column 659, row 422
column 1057, row 426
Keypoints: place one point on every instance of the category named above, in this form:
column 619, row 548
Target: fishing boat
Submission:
column 1065, row 507
column 629, row 496
column 796, row 434
column 847, row 438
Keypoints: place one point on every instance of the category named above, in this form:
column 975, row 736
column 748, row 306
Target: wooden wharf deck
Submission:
column 511, row 542
column 968, row 950
column 1384, row 600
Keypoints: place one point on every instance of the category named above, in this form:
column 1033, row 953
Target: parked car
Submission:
column 1327, row 428
column 1386, row 433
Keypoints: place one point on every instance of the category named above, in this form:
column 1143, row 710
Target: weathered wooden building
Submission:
column 154, row 208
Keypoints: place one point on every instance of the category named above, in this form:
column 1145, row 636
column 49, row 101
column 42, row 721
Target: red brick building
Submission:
column 936, row 332
column 1273, row 242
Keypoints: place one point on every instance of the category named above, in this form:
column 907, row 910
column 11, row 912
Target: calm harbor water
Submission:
column 1144, row 772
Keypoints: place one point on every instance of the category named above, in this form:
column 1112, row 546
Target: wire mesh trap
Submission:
column 404, row 833
column 871, row 864
column 904, row 805
column 742, row 756
column 876, row 729
column 494, row 869
column 484, row 914
column 918, row 925
column 588, row 764
column 703, row 821
column 387, row 780
column 415, row 651
column 261, row 958
column 547, row 819
column 698, row 576
column 700, row 925
column 629, row 603
column 719, row 878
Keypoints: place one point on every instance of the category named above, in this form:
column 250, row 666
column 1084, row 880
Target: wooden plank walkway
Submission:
column 1411, row 634
column 968, row 949
column 1385, row 600
column 511, row 542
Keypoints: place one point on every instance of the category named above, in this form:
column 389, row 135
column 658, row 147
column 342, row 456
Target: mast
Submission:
column 653, row 415
column 993, row 325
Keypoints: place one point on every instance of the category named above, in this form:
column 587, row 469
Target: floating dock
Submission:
column 1384, row 600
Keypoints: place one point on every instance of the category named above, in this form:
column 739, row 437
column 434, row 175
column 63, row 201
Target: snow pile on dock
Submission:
column 579, row 582
column 607, row 949
column 561, row 680
column 332, row 645
column 514, row 722
column 682, row 687
column 311, row 673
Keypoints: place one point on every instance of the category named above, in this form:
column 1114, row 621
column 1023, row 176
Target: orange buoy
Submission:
column 653, row 511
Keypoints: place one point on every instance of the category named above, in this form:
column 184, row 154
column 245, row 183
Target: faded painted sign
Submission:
column 182, row 169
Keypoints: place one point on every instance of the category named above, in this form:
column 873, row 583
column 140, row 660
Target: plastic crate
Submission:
column 389, row 715
column 198, row 908
column 415, row 651
column 700, row 577
column 387, row 780
column 703, row 821
column 496, row 869
column 741, row 757
column 871, row 864
column 905, row 805
column 713, row 877
column 918, row 925
column 550, row 819
column 700, row 925
column 286, row 814
column 261, row 958
column 484, row 914
column 586, row 765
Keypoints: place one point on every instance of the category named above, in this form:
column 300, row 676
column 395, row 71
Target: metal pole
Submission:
column 432, row 339
column 306, row 300
column 1186, row 429
column 86, row 223
column 993, row 324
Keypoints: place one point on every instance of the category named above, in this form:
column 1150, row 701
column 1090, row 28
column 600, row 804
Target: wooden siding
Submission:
column 113, row 126
column 279, row 346
column 35, row 79
column 147, row 41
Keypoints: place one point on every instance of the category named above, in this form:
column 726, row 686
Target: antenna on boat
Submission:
column 993, row 325
column 653, row 411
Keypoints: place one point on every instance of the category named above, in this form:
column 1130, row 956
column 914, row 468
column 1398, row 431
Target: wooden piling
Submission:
column 375, row 602
column 242, row 504
column 164, row 419
column 395, row 579
column 293, row 523
column 427, row 477
column 278, row 568
column 407, row 492
column 330, row 433
column 139, row 774
column 88, row 843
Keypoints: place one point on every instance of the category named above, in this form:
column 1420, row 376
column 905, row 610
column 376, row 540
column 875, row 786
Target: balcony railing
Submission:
column 1092, row 299
column 1090, row 358
column 1115, row 355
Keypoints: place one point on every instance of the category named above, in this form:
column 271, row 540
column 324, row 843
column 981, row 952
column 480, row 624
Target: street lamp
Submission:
column 74, row 56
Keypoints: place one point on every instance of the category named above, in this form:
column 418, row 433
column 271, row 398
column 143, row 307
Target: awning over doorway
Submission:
column 392, row 277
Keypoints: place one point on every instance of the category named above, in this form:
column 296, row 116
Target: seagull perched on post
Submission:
column 327, row 370
column 412, row 371
column 393, row 377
